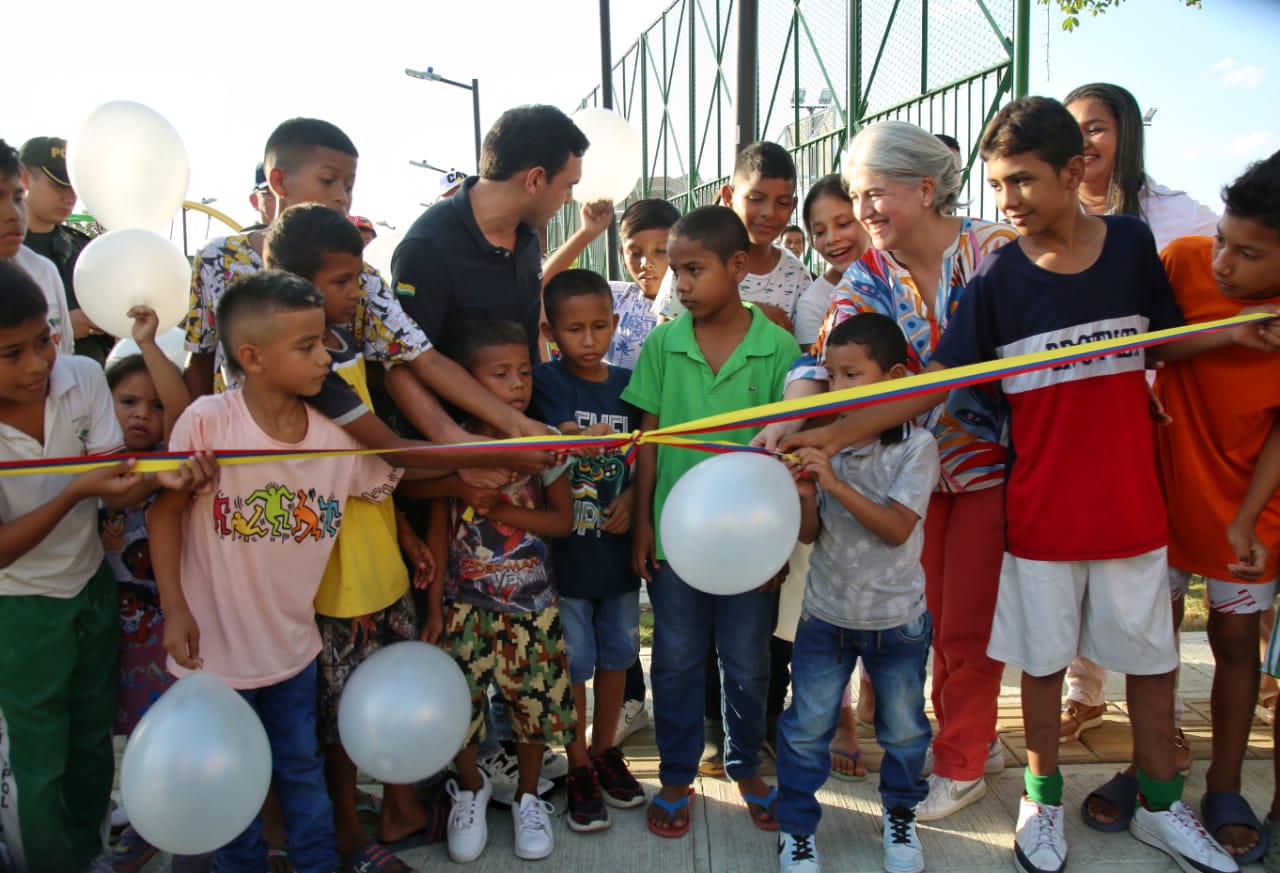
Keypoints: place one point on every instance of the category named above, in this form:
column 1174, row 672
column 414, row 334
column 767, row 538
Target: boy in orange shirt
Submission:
column 1221, row 405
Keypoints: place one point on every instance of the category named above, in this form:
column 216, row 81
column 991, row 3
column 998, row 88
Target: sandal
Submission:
column 1271, row 860
column 671, row 830
column 131, row 852
column 373, row 857
column 1121, row 791
column 766, row 803
column 1078, row 718
column 853, row 757
column 1218, row 809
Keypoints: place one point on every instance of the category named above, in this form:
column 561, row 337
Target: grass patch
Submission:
column 1196, row 617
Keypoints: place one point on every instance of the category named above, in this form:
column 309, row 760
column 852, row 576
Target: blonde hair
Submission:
column 907, row 153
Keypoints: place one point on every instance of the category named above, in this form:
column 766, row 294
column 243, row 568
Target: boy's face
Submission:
column 837, row 235
column 327, row 176
column 339, row 281
column 1031, row 193
column 139, row 410
column 26, row 356
column 583, row 328
column 13, row 215
column 764, row 205
column 849, row 366
column 646, row 255
column 704, row 283
column 506, row 371
column 289, row 352
column 1246, row 259
column 48, row 203
column 793, row 241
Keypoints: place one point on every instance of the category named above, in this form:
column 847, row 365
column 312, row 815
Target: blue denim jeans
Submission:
column 288, row 712
column 821, row 663
column 683, row 618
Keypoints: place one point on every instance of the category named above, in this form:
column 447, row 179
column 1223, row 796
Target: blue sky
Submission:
column 225, row 74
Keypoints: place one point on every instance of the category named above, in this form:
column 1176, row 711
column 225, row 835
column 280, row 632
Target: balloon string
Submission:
column 681, row 435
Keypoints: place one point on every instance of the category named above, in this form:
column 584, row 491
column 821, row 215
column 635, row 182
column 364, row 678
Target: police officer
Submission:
column 50, row 200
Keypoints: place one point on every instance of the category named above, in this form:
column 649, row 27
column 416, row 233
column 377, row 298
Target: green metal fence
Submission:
column 824, row 69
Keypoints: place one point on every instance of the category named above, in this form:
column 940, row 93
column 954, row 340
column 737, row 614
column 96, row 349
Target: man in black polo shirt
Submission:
column 50, row 200
column 475, row 256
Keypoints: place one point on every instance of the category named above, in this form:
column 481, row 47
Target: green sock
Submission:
column 1156, row 795
column 1045, row 790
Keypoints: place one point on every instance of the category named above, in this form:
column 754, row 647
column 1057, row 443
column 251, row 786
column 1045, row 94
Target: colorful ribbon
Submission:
column 679, row 435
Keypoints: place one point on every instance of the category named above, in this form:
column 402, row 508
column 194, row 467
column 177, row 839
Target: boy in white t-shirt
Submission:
column 217, row 557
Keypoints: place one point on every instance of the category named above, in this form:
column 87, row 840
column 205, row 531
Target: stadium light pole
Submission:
column 423, row 165
column 430, row 75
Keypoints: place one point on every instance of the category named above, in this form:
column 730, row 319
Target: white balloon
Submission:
column 729, row 524
column 129, row 166
column 126, row 268
column 172, row 342
column 405, row 712
column 197, row 767
column 613, row 162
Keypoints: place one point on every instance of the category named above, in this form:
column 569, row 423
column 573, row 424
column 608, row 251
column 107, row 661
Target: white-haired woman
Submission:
column 905, row 185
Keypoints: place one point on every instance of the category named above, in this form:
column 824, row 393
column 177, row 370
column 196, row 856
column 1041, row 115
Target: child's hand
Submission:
column 433, row 627
column 618, row 513
column 486, row 477
column 596, row 217
column 482, row 500
column 418, row 555
column 114, row 481
column 772, row 434
column 145, row 324
column 643, row 550
column 1263, row 336
column 1156, row 409
column 1252, row 554
column 600, row 428
column 806, row 488
column 182, row 637
column 197, row 474
column 818, row 466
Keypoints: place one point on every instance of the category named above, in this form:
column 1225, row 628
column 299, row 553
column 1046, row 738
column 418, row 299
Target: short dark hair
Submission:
column 292, row 142
column 949, row 141
column 302, row 235
column 574, row 283
column 124, row 368
column 259, row 296
column 885, row 343
column 648, row 214
column 765, row 160
column 715, row 228
column 1256, row 193
column 10, row 163
column 793, row 228
column 485, row 334
column 530, row 136
column 1039, row 125
column 20, row 297
column 828, row 186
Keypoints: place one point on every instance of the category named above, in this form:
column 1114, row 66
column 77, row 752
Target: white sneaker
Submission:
column 1178, row 832
column 468, row 830
column 1040, row 845
column 949, row 795
column 554, row 765
column 797, row 854
column 902, row 850
column 632, row 718
column 534, row 840
column 503, row 771
column 993, row 765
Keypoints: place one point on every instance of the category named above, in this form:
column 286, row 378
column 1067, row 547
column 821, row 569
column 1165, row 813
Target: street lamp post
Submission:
column 431, row 75
column 423, row 165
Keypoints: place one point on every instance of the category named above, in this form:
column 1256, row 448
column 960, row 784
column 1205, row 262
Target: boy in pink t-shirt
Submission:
column 219, row 558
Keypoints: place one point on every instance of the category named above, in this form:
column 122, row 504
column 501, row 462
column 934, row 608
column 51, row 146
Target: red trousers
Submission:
column 963, row 550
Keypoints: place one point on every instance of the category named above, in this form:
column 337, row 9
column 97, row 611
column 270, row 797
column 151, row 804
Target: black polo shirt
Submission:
column 447, row 275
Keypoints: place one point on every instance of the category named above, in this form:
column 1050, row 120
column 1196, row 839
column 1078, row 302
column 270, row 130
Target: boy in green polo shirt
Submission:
column 719, row 356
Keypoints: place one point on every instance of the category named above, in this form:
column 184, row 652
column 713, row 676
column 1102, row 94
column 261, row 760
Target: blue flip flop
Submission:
column 671, row 807
column 1121, row 791
column 766, row 803
column 1221, row 808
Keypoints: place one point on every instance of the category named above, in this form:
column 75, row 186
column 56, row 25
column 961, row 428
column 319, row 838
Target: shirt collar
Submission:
column 755, row 344
column 61, row 379
column 461, row 204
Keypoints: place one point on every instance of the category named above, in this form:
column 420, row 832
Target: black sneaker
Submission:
column 619, row 788
column 587, row 811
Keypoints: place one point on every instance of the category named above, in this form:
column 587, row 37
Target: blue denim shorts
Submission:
column 601, row 633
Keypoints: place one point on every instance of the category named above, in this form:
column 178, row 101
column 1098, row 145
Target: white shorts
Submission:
column 1226, row 597
column 1114, row 612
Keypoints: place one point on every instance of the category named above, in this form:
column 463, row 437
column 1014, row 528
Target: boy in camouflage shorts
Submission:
column 493, row 608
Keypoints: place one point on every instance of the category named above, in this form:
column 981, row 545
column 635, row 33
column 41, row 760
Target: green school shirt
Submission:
column 673, row 381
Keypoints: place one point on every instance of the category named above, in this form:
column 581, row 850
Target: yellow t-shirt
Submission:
column 365, row 573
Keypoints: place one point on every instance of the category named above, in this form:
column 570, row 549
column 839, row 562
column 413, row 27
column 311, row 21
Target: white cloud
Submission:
column 1236, row 76
column 1248, row 144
